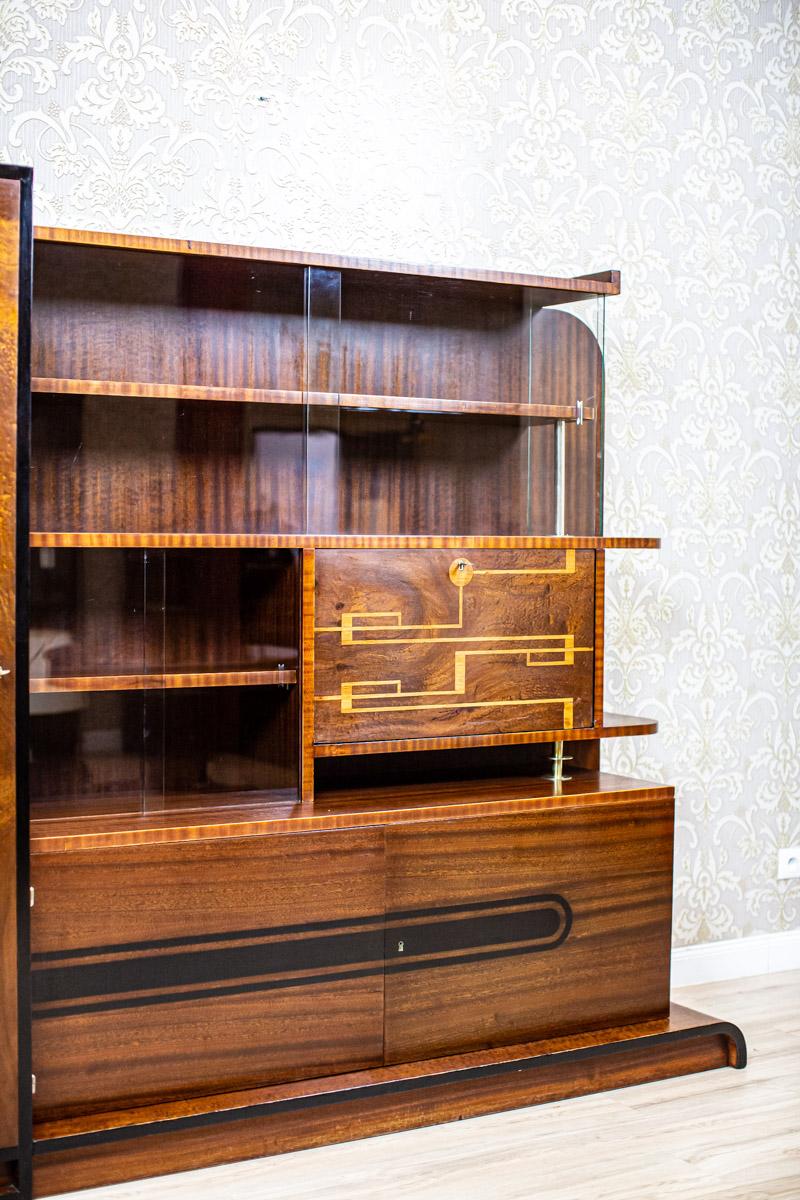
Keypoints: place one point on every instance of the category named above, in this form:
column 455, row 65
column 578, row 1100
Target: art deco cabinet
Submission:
column 302, row 646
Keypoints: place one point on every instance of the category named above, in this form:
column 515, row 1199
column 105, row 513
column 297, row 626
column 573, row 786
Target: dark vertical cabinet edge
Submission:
column 22, row 1165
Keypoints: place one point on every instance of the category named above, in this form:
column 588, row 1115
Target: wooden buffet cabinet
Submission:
column 309, row 574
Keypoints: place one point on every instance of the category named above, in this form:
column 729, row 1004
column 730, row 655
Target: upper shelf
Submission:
column 544, row 289
column 349, row 400
column 333, row 541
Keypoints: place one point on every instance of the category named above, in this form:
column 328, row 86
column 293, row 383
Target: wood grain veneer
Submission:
column 243, row 395
column 199, row 818
column 611, row 865
column 124, row 683
column 549, row 289
column 403, row 650
column 10, row 213
column 599, row 632
column 609, row 725
column 344, row 541
column 217, row 961
column 307, row 676
column 380, row 1100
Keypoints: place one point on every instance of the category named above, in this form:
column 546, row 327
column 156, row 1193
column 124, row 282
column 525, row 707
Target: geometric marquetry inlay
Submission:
column 428, row 644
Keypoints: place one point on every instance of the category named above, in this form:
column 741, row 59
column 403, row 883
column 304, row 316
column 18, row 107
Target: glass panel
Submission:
column 87, row 630
column 104, row 622
column 87, row 613
column 223, row 613
column 133, row 464
column 86, row 753
column 433, row 407
column 567, row 368
column 105, row 314
column 227, row 744
column 230, row 610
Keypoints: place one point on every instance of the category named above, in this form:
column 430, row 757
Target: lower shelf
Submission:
column 114, row 1147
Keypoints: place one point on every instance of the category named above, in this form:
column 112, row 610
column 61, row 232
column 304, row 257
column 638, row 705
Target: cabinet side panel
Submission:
column 9, row 327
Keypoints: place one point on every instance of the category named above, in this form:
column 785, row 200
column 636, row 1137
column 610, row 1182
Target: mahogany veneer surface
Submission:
column 205, row 967
column 9, row 322
column 192, row 818
column 552, row 288
column 608, row 867
column 301, row 1115
column 407, row 648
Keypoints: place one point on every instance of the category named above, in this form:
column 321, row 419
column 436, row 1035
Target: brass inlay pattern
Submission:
column 540, row 650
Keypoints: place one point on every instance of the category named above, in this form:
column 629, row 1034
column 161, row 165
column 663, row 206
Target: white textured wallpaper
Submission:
column 544, row 135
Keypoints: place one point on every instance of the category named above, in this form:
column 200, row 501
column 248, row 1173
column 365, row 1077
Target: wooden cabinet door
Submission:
column 506, row 931
column 436, row 643
column 15, row 253
column 169, row 970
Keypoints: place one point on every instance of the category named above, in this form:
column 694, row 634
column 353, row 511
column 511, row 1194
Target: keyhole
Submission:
column 400, row 947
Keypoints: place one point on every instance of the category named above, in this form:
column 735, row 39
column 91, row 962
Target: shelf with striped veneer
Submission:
column 346, row 400
column 154, row 680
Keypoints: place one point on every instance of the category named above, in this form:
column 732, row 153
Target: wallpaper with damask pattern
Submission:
column 548, row 135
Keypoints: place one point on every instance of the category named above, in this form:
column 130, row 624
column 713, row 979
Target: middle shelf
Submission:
column 288, row 396
column 153, row 680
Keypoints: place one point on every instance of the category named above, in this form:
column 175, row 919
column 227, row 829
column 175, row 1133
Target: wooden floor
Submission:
column 725, row 1135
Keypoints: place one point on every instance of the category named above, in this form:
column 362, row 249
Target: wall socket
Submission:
column 789, row 863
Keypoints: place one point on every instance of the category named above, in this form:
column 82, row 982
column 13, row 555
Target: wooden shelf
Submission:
column 612, row 725
column 153, row 680
column 347, row 400
column 425, row 404
column 189, row 818
column 165, row 391
column 333, row 541
column 545, row 289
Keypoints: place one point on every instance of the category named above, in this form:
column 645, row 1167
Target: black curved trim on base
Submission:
column 123, row 1133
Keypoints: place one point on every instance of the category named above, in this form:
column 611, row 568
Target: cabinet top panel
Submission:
column 547, row 289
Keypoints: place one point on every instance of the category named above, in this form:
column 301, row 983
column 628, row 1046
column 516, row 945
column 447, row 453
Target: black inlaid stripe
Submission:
column 270, row 985
column 234, row 935
column 536, row 923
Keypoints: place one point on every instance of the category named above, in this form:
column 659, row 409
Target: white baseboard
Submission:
column 761, row 954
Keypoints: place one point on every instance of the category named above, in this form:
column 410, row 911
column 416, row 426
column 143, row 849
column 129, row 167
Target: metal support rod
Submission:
column 558, row 758
column 561, row 471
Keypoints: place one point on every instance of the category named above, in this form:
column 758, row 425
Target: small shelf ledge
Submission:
column 611, row 725
column 346, row 400
column 152, row 680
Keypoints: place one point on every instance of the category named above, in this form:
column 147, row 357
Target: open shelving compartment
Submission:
column 203, row 420
column 164, row 678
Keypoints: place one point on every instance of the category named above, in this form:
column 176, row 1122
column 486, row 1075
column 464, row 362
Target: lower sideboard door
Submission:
column 504, row 931
column 200, row 967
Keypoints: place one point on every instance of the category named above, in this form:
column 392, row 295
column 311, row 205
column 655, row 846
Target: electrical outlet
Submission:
column 789, row 863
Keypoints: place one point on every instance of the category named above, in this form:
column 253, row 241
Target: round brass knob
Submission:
column 461, row 571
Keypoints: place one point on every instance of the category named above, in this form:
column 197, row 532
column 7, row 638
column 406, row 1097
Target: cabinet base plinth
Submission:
column 83, row 1152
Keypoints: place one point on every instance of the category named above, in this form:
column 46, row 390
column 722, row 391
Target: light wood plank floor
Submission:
column 724, row 1135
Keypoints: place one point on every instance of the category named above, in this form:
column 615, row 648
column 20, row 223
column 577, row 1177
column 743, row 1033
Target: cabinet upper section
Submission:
column 184, row 388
